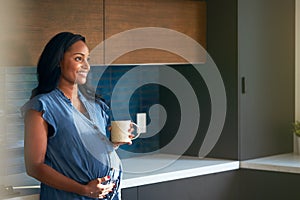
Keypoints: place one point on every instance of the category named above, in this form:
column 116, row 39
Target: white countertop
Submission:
column 158, row 168
column 163, row 167
column 289, row 163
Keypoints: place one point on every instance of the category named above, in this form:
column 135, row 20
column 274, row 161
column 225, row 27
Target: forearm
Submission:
column 53, row 178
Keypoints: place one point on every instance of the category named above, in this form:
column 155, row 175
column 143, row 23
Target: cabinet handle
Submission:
column 243, row 85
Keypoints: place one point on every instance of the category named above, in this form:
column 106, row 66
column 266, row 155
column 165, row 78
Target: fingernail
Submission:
column 108, row 177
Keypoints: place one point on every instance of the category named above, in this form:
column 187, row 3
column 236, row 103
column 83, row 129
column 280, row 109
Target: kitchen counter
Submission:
column 151, row 169
column 289, row 163
column 158, row 168
column 163, row 167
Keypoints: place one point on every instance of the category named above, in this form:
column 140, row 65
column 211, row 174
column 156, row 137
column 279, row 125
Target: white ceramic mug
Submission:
column 120, row 131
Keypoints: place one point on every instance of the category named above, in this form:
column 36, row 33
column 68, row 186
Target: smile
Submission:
column 84, row 73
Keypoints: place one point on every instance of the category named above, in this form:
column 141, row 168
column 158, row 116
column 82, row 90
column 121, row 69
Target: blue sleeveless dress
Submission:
column 79, row 148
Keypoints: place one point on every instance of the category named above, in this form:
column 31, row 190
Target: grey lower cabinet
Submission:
column 130, row 193
column 220, row 186
column 242, row 184
column 263, row 185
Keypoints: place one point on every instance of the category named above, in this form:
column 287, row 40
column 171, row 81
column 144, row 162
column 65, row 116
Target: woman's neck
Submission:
column 71, row 92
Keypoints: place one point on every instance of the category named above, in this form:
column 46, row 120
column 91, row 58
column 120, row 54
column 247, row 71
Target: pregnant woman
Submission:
column 66, row 127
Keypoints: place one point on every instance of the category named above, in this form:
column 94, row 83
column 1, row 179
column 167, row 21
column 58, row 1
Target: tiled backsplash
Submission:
column 127, row 97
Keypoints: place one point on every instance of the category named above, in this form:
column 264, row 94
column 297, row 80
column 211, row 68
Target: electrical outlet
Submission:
column 141, row 122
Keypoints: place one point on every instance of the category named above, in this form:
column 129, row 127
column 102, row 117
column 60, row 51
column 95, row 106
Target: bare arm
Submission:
column 36, row 130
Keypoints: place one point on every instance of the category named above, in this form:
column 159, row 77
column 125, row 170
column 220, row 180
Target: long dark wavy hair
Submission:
column 48, row 69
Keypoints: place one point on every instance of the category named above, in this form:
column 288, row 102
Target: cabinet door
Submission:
column 130, row 193
column 266, row 61
column 37, row 21
column 220, row 186
column 185, row 16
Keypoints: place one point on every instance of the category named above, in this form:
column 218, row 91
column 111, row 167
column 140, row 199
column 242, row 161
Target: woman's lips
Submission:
column 82, row 73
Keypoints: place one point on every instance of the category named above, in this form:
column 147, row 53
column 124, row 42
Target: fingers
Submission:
column 100, row 194
column 100, row 187
column 130, row 130
column 102, row 191
column 117, row 144
column 103, row 179
column 129, row 143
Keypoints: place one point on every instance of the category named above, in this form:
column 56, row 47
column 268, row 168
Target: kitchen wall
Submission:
column 297, row 59
column 297, row 63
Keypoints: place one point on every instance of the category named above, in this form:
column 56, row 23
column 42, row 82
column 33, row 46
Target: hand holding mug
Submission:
column 121, row 132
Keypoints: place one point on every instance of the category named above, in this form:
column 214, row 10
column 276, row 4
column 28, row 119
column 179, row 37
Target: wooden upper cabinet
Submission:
column 38, row 21
column 28, row 25
column 123, row 17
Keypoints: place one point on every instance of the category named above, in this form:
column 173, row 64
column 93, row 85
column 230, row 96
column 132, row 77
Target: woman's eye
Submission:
column 78, row 59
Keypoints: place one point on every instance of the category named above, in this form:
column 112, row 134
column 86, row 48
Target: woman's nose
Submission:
column 86, row 65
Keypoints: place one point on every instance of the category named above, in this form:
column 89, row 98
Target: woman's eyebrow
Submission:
column 79, row 53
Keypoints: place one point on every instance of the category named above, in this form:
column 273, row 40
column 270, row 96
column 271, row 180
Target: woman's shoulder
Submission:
column 44, row 97
column 39, row 102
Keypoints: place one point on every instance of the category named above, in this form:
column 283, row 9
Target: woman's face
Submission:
column 75, row 66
